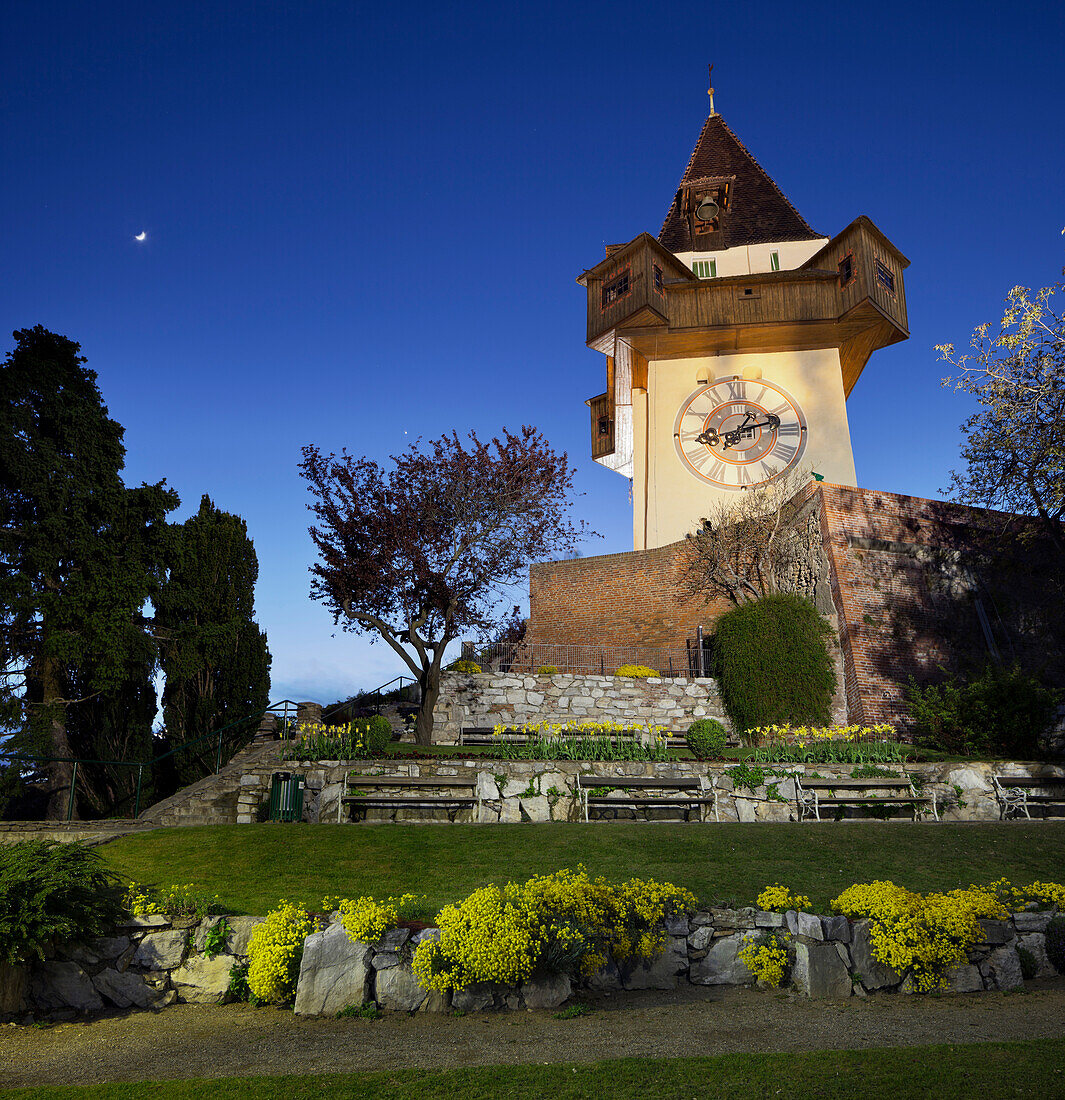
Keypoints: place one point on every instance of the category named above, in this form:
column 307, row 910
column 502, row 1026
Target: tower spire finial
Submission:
column 710, row 90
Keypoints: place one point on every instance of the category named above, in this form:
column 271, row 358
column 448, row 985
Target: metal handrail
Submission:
column 400, row 680
column 140, row 765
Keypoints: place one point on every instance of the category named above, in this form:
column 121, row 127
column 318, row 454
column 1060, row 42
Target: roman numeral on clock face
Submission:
column 758, row 431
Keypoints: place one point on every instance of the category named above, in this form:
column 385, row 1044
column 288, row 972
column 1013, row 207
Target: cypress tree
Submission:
column 79, row 552
column 214, row 656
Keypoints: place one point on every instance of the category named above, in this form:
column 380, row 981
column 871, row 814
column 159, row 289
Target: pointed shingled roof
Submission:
column 759, row 213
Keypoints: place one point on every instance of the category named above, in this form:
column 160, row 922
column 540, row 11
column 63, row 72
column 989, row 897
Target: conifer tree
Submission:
column 80, row 553
column 214, row 656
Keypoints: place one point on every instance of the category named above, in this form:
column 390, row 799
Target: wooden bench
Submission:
column 813, row 795
column 450, row 803
column 1019, row 792
column 702, row 794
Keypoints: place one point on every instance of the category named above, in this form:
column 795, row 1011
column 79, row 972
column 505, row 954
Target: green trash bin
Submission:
column 286, row 797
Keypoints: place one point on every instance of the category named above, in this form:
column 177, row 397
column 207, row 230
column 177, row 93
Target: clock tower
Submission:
column 732, row 341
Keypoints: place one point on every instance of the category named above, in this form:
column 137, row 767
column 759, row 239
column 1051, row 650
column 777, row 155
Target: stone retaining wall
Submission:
column 149, row 962
column 152, row 962
column 512, row 791
column 519, row 698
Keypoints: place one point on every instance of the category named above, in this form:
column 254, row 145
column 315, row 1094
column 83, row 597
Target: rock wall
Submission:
column 516, row 699
column 511, row 791
column 150, row 963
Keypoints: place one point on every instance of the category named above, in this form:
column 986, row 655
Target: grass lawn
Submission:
column 1013, row 1069
column 251, row 867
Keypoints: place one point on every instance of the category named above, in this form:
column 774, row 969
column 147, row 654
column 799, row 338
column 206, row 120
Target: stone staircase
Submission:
column 213, row 799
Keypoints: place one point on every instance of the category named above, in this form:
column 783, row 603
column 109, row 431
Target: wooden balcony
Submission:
column 850, row 295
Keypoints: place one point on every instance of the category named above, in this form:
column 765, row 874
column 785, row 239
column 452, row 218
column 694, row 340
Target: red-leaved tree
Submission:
column 426, row 550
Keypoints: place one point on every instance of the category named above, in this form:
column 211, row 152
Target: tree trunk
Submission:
column 60, row 772
column 429, row 683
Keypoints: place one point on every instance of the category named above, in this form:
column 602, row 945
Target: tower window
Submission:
column 774, row 261
column 846, row 270
column 615, row 288
column 705, row 269
column 884, row 276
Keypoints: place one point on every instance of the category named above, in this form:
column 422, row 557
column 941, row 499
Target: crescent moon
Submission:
column 140, row 236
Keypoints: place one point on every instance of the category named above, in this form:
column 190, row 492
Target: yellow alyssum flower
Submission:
column 275, row 951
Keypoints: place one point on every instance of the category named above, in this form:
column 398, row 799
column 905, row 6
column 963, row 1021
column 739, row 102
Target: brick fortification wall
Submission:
column 922, row 585
column 912, row 585
column 615, row 599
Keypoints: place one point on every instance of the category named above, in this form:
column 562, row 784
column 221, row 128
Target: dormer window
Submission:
column 705, row 269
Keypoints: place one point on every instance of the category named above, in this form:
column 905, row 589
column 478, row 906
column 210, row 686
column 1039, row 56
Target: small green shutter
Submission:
column 774, row 261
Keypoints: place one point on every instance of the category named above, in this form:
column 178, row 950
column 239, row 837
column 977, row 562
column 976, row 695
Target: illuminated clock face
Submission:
column 736, row 433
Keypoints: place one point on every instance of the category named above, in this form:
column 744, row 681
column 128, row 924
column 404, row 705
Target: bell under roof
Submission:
column 758, row 213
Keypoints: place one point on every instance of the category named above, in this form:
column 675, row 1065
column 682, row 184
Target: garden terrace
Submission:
column 250, row 867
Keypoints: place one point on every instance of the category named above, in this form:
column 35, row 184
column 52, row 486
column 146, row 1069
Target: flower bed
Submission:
column 825, row 745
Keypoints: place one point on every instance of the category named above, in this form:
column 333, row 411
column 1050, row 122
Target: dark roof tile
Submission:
column 758, row 213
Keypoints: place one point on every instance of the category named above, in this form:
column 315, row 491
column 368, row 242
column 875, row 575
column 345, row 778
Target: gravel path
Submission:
column 236, row 1040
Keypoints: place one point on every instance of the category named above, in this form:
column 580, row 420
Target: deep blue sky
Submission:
column 366, row 220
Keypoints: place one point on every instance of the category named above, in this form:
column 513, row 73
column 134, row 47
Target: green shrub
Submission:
column 378, row 732
column 50, row 890
column 639, row 672
column 1055, row 944
column 1002, row 710
column 706, row 738
column 772, row 664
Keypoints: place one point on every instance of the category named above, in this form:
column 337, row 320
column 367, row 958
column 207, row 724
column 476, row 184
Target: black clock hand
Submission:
column 711, row 437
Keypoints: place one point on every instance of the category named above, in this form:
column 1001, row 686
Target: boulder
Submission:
column 140, row 924
column 334, row 973
column 996, row 931
column 678, row 926
column 1035, row 944
column 537, row 808
column 95, row 951
column 475, row 998
column 161, row 950
column 837, row 929
column 385, row 960
column 701, row 938
column 546, row 992
column 127, row 990
column 606, row 980
column 1003, row 969
column 873, row 973
column 1031, row 922
column 202, row 980
column 393, row 939
column 810, row 926
column 964, row 979
column 820, row 972
column 660, row 972
column 721, row 965
column 398, row 989
column 63, row 984
column 768, row 920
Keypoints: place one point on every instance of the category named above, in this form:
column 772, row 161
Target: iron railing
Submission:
column 682, row 661
column 398, row 690
column 284, row 711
